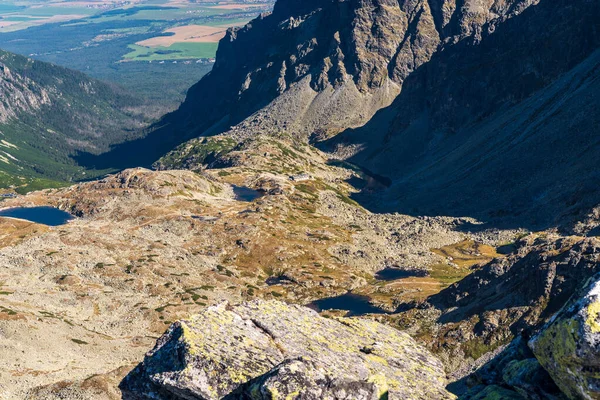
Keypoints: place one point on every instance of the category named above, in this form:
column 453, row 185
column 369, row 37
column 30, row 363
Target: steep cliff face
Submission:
column 19, row 93
column 314, row 69
column 486, row 129
column 328, row 65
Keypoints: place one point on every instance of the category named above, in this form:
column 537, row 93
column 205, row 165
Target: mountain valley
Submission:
column 374, row 199
column 49, row 113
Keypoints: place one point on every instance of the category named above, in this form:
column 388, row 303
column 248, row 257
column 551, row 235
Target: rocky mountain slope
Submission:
column 260, row 216
column 152, row 247
column 504, row 121
column 49, row 113
column 507, row 298
column 328, row 65
column 316, row 68
column 496, row 131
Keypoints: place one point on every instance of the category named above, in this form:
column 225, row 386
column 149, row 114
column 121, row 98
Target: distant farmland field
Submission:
column 138, row 44
column 177, row 51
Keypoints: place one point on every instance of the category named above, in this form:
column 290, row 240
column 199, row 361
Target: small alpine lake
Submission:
column 243, row 193
column 355, row 304
column 40, row 215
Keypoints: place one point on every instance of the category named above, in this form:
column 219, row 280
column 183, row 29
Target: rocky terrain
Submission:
column 149, row 248
column 421, row 174
column 152, row 247
column 449, row 134
column 268, row 349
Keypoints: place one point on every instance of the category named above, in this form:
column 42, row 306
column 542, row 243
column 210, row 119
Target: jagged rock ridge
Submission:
column 334, row 62
column 315, row 68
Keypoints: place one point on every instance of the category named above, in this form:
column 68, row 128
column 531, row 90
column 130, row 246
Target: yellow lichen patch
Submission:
column 380, row 383
column 377, row 359
column 593, row 312
column 292, row 395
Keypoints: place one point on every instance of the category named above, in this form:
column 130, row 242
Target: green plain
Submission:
column 177, row 51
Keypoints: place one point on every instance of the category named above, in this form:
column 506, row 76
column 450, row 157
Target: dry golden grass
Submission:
column 461, row 259
column 186, row 34
column 238, row 6
column 467, row 253
column 13, row 231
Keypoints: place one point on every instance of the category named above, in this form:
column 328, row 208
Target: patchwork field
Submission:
column 174, row 52
column 157, row 48
column 186, row 34
column 182, row 42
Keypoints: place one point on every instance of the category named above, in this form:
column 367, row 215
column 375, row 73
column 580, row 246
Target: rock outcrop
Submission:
column 18, row 93
column 560, row 361
column 510, row 296
column 268, row 350
column 514, row 373
column 569, row 346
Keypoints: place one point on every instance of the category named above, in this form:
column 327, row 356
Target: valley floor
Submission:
column 147, row 248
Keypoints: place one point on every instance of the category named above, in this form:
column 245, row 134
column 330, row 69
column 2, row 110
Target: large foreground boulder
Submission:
column 568, row 347
column 272, row 350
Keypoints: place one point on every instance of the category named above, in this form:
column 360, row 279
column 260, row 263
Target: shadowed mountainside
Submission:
column 312, row 68
column 483, row 108
column 502, row 129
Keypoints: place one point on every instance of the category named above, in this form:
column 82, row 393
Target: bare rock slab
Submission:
column 568, row 347
column 272, row 350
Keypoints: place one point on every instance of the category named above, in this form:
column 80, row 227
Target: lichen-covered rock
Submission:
column 568, row 347
column 494, row 392
column 515, row 369
column 528, row 378
column 511, row 295
column 271, row 350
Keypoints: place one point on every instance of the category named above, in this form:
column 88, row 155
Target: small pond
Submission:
column 355, row 304
column 391, row 274
column 243, row 193
column 41, row 215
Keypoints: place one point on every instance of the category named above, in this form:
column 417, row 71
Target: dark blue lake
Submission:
column 391, row 274
column 353, row 303
column 41, row 215
column 243, row 193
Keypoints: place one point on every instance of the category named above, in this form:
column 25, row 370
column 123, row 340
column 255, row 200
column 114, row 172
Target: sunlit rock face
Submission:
column 569, row 346
column 268, row 349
